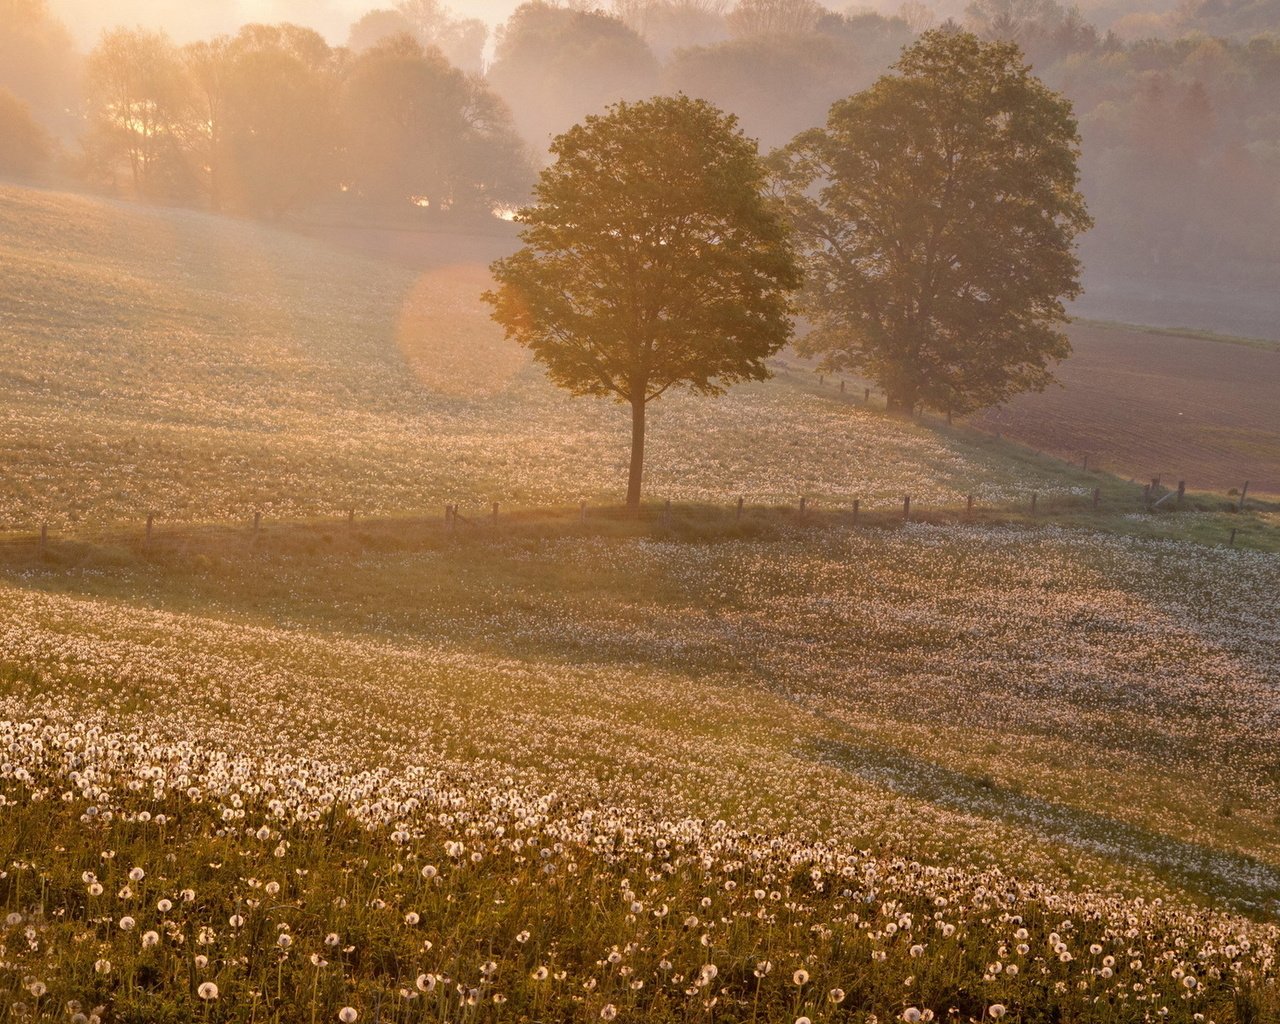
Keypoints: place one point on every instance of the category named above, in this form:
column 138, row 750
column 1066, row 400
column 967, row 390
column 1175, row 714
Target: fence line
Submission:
column 853, row 512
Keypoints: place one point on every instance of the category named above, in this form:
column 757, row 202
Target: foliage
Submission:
column 554, row 65
column 651, row 260
column 939, row 210
column 415, row 126
column 25, row 147
column 140, row 105
column 783, row 84
column 38, row 63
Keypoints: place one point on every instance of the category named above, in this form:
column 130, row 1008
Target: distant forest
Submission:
column 421, row 115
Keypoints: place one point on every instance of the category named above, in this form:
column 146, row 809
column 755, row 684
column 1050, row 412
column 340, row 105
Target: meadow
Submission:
column 687, row 769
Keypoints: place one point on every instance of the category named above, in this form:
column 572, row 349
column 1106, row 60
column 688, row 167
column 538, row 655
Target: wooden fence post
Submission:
column 1033, row 502
column 802, row 504
column 495, row 511
column 968, row 507
column 150, row 520
column 44, row 536
column 842, row 387
column 1243, row 493
column 1097, row 497
column 351, row 518
column 1146, row 495
column 866, row 396
column 739, row 515
column 906, row 508
column 1085, row 467
column 582, row 512
column 1232, row 542
column 666, row 512
column 1182, row 490
column 257, row 521
column 856, row 503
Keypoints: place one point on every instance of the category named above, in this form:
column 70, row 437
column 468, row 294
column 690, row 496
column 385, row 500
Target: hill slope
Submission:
column 553, row 771
column 196, row 367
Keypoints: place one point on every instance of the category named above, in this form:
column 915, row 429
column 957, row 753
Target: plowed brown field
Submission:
column 1150, row 403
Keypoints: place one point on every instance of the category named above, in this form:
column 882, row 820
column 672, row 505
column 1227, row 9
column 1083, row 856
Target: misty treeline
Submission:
column 1181, row 137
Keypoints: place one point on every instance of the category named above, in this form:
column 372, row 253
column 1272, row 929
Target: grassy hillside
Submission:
column 169, row 362
column 769, row 770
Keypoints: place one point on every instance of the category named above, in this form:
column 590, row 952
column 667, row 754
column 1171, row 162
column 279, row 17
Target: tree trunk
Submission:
column 899, row 403
column 637, row 453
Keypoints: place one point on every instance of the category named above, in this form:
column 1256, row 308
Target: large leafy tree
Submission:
column 939, row 211
column 652, row 259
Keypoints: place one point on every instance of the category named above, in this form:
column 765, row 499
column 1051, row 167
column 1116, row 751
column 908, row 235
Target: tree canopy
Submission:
column 939, row 210
column 652, row 259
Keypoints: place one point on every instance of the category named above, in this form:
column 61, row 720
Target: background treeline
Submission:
column 421, row 112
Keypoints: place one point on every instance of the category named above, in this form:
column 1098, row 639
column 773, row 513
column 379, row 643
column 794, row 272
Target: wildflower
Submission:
column 412, row 918
column 37, row 989
column 127, row 924
column 801, row 977
column 207, row 991
column 348, row 1015
column 136, row 874
column 608, row 1011
column 996, row 1010
column 102, row 966
column 912, row 1015
column 836, row 995
column 150, row 939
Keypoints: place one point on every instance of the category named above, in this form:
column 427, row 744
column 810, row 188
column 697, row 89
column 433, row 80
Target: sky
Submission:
column 186, row 20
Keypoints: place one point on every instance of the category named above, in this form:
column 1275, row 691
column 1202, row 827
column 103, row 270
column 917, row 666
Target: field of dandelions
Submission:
column 930, row 773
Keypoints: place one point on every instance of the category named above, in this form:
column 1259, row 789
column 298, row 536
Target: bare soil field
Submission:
column 1150, row 403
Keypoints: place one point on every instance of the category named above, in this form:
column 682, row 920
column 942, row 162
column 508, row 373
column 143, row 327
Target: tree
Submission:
column 461, row 40
column 38, row 63
column 419, row 129
column 938, row 211
column 209, row 68
column 280, row 132
column 554, row 65
column 376, row 27
column 140, row 108
column 774, row 17
column 24, row 145
column 652, row 259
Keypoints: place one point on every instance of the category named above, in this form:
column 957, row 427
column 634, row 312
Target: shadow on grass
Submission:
column 1250, row 885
